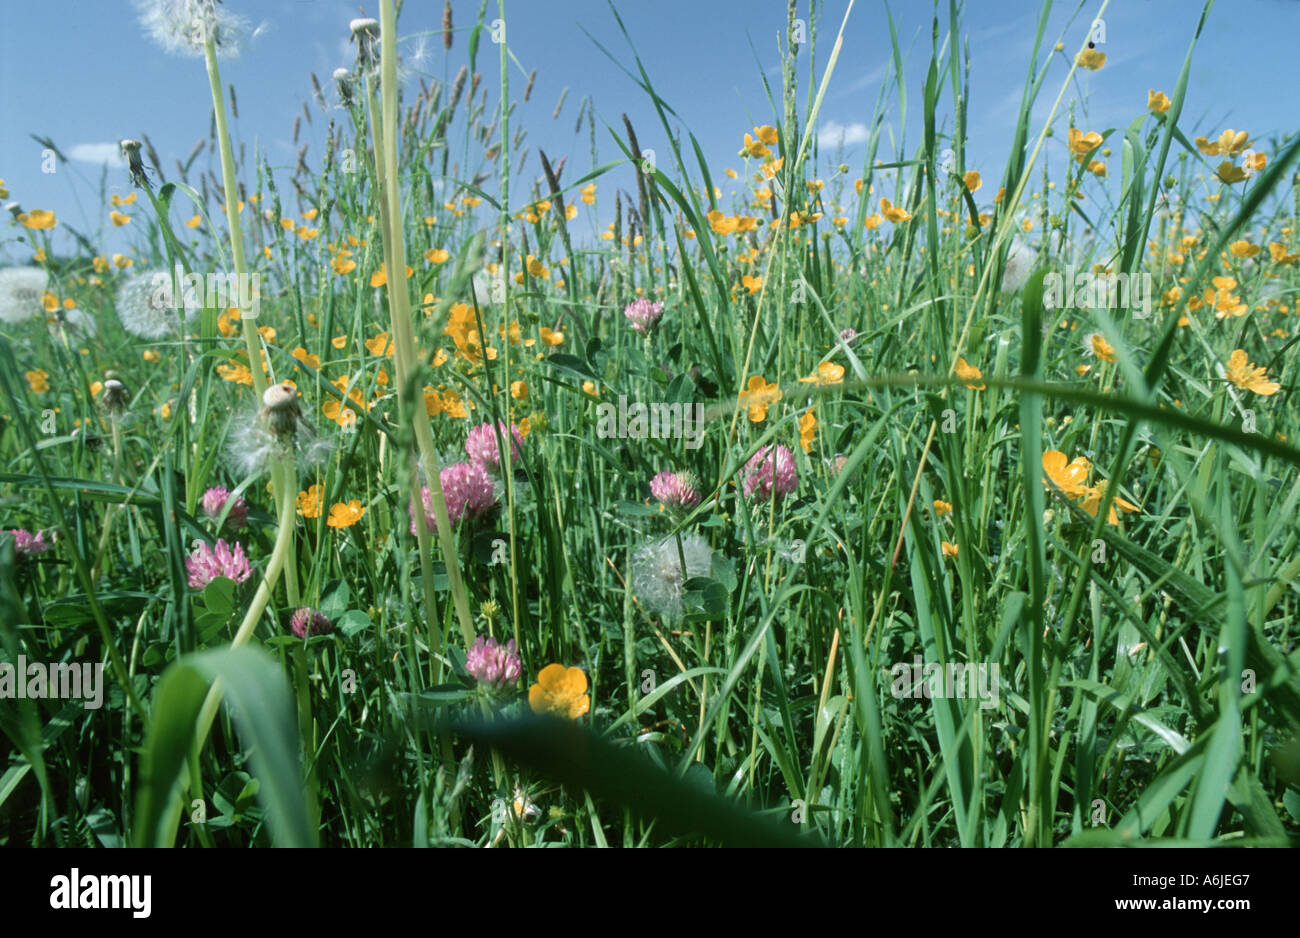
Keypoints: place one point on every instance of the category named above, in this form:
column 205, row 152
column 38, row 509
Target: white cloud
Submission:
column 106, row 154
column 834, row 134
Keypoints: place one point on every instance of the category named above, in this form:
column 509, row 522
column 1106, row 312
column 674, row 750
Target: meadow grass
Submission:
column 887, row 380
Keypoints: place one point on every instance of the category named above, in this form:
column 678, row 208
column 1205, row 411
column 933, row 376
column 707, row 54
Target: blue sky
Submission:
column 83, row 74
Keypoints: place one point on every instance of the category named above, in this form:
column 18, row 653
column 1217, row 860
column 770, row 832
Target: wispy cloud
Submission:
column 834, row 134
column 872, row 77
column 104, row 154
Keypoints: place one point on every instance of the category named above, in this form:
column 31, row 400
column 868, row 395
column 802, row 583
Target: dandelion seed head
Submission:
column 21, row 289
column 1020, row 261
column 253, row 444
column 657, row 577
column 181, row 27
column 77, row 323
column 146, row 308
column 114, row 396
column 489, row 289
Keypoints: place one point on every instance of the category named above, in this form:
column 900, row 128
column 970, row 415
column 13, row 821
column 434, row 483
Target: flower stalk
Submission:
column 252, row 341
column 405, row 356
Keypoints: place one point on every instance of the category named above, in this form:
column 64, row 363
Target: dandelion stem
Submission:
column 404, row 354
column 252, row 341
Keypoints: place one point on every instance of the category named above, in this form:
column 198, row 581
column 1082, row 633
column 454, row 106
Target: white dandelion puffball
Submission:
column 490, row 289
column 78, row 323
column 1020, row 262
column 181, row 27
column 21, row 289
column 252, row 446
column 657, row 572
column 146, row 307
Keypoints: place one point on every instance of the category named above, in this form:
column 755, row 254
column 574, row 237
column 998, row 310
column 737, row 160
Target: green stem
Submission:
column 404, row 351
column 279, row 554
column 252, row 341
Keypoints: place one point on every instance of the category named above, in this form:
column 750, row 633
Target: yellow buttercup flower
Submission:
column 969, row 374
column 949, row 550
column 1092, row 501
column 380, row 277
column 1277, row 251
column 1230, row 143
column 309, row 502
column 1097, row 344
column 239, row 374
column 1081, row 144
column 38, row 218
column 759, row 397
column 379, row 345
column 37, row 380
column 893, row 212
column 1157, row 101
column 826, row 373
column 119, row 219
column 1229, row 172
column 1243, row 373
column 345, row 515
column 942, row 508
column 1091, row 59
column 560, row 692
column 807, row 428
column 1069, row 478
column 972, row 180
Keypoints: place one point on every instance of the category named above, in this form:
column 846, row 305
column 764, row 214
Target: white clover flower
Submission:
column 146, row 307
column 21, row 289
column 181, row 27
column 657, row 572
